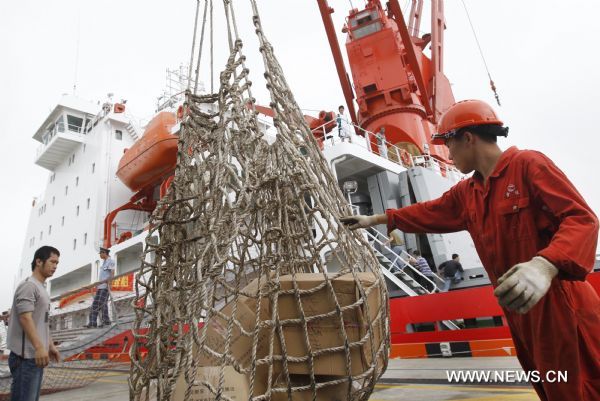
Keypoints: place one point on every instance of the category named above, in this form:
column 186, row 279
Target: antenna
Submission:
column 77, row 48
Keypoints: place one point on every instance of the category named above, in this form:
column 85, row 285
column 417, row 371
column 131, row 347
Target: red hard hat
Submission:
column 463, row 114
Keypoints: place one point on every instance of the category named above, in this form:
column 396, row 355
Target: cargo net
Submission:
column 254, row 290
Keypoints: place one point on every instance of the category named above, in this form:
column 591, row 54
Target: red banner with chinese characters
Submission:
column 123, row 283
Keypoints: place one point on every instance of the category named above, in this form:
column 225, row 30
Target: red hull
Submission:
column 469, row 304
column 477, row 306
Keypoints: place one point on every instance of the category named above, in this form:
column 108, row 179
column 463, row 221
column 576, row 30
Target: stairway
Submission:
column 74, row 341
column 386, row 266
column 133, row 131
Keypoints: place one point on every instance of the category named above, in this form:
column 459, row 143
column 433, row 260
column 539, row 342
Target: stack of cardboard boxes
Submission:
column 300, row 327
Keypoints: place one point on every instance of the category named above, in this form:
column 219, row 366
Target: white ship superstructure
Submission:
column 81, row 144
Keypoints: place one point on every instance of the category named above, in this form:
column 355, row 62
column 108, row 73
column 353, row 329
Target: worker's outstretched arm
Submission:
column 442, row 215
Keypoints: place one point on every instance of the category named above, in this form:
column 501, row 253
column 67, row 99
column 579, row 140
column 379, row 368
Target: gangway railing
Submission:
column 450, row 324
column 400, row 261
column 71, row 301
column 403, row 284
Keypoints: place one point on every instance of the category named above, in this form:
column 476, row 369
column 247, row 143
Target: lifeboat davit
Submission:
column 153, row 157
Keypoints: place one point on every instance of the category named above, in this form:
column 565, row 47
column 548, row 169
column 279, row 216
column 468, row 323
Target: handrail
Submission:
column 398, row 151
column 387, row 272
column 48, row 136
column 424, row 160
column 92, row 285
column 436, row 276
column 355, row 211
column 406, row 263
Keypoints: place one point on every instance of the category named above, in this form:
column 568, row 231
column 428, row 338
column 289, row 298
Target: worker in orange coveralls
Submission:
column 536, row 237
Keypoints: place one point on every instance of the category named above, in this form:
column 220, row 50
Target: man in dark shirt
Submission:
column 452, row 272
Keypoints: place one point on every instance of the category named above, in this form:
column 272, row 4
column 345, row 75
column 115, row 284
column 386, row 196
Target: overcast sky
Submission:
column 541, row 54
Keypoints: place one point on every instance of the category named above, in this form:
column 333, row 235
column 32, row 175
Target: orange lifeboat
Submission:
column 153, row 157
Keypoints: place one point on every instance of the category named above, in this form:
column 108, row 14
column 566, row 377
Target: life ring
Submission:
column 405, row 157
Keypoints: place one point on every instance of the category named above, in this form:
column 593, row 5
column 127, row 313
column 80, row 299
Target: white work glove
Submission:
column 525, row 284
column 359, row 221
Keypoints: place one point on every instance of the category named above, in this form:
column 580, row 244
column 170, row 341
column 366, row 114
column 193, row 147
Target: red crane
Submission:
column 398, row 87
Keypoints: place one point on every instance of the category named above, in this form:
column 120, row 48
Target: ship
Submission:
column 107, row 171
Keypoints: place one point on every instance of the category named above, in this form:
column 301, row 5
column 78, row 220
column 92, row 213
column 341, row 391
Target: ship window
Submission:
column 74, row 243
column 84, row 148
column 93, row 167
column 49, row 134
column 60, row 124
column 67, row 190
column 49, row 229
column 88, row 124
column 74, row 124
column 41, row 235
column 62, row 221
column 370, row 88
column 88, row 203
column 76, row 181
column 118, row 135
column 77, row 210
column 363, row 18
column 420, row 327
column 85, row 239
column 480, row 322
column 53, row 200
column 366, row 30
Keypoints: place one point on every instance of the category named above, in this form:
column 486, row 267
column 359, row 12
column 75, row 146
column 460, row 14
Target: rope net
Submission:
column 254, row 289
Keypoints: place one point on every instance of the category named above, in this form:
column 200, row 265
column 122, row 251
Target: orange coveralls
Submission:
column 529, row 208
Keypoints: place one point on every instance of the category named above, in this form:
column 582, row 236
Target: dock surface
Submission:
column 404, row 380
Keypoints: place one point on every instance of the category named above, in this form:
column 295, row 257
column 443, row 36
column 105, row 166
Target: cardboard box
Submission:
column 316, row 298
column 324, row 334
column 240, row 341
column 235, row 385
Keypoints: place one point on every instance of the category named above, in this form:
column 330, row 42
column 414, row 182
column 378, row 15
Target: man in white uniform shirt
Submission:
column 107, row 271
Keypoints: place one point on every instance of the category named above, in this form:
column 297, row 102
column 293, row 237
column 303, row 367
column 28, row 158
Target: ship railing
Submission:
column 441, row 168
column 169, row 101
column 47, row 137
column 388, row 150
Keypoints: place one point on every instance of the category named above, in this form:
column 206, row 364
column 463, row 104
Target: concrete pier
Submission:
column 404, row 380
